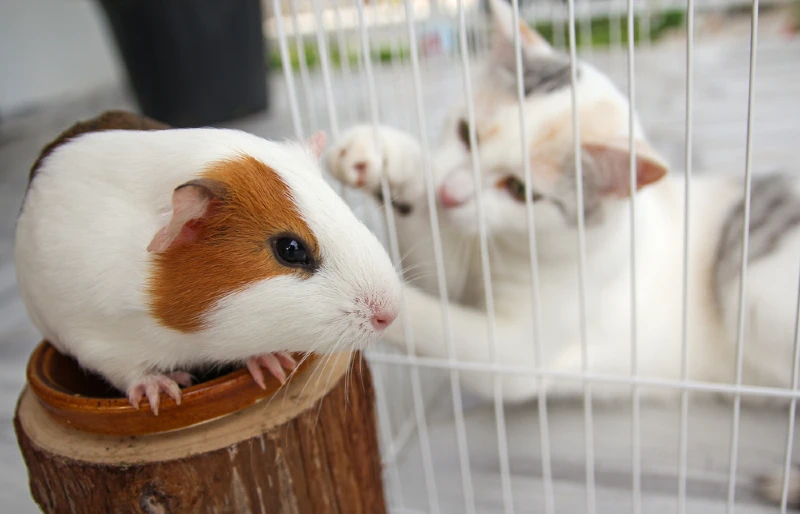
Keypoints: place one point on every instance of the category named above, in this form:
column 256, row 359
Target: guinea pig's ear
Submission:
column 191, row 203
column 317, row 143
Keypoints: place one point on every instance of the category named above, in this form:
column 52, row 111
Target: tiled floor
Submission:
column 720, row 108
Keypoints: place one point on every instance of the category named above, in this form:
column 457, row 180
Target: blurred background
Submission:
column 286, row 68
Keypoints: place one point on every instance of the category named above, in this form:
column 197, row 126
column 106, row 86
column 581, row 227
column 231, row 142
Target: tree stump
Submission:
column 310, row 448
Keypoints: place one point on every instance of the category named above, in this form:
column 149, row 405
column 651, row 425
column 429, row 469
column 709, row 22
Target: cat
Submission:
column 715, row 244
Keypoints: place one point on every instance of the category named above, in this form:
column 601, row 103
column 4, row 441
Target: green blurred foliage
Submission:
column 601, row 36
column 602, row 28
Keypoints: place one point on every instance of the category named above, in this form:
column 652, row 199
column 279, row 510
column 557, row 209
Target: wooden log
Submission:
column 311, row 448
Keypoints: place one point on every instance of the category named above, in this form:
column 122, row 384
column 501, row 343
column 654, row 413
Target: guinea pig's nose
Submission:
column 382, row 318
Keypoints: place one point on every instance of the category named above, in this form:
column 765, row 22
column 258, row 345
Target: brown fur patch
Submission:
column 597, row 121
column 551, row 134
column 234, row 248
column 549, row 146
column 553, row 142
column 109, row 120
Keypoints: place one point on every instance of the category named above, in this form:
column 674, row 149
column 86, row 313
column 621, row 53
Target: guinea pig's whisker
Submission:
column 414, row 247
column 347, row 373
column 318, row 373
column 417, row 265
column 423, row 271
column 320, row 365
column 328, row 383
column 291, row 374
column 421, row 274
column 307, row 355
column 361, row 372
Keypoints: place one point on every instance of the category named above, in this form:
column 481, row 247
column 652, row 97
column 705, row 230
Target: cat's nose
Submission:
column 448, row 199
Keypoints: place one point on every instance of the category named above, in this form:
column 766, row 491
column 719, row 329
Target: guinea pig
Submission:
column 145, row 251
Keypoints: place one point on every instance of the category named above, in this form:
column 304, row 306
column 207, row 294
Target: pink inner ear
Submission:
column 317, row 143
column 503, row 49
column 190, row 204
column 612, row 162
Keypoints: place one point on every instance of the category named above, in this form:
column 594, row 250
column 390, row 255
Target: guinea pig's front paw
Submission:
column 274, row 363
column 153, row 385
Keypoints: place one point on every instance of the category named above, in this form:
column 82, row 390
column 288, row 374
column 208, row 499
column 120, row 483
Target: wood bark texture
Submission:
column 312, row 448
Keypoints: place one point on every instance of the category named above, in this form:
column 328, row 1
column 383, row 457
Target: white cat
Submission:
column 715, row 241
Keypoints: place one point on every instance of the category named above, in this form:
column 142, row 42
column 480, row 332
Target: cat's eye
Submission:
column 463, row 132
column 291, row 251
column 516, row 188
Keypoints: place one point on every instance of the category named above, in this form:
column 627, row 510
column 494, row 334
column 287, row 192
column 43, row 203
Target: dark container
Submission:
column 192, row 62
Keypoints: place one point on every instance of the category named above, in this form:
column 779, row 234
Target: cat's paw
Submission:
column 360, row 160
column 356, row 159
column 770, row 487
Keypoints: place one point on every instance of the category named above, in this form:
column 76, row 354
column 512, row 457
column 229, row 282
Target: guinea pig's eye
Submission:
column 292, row 251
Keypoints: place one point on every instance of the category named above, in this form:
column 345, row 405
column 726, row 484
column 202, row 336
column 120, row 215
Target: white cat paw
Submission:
column 357, row 160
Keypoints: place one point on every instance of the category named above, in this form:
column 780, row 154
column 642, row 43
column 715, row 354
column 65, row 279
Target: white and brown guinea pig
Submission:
column 144, row 252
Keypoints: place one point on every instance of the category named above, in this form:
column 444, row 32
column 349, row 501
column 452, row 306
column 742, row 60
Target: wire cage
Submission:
column 712, row 83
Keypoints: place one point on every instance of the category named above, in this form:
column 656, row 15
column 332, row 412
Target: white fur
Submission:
column 659, row 251
column 83, row 268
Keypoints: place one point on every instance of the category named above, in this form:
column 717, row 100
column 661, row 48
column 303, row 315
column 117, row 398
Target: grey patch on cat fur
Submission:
column 774, row 209
column 546, row 73
column 541, row 74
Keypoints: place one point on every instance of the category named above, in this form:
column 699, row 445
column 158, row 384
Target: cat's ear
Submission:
column 531, row 42
column 610, row 163
column 316, row 143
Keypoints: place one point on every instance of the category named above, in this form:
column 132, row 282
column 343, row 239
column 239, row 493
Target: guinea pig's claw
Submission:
column 287, row 361
column 255, row 370
column 274, row 363
column 135, row 396
column 182, row 378
column 152, row 386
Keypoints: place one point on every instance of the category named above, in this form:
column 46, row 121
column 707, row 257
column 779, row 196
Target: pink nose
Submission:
column 382, row 319
column 448, row 199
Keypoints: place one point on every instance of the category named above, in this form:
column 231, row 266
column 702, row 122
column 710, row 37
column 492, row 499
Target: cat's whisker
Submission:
column 495, row 254
column 465, row 252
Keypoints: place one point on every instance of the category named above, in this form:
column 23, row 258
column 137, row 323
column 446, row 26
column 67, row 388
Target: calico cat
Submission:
column 715, row 244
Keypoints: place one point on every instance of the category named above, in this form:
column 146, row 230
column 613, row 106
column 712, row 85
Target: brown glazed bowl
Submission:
column 84, row 401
